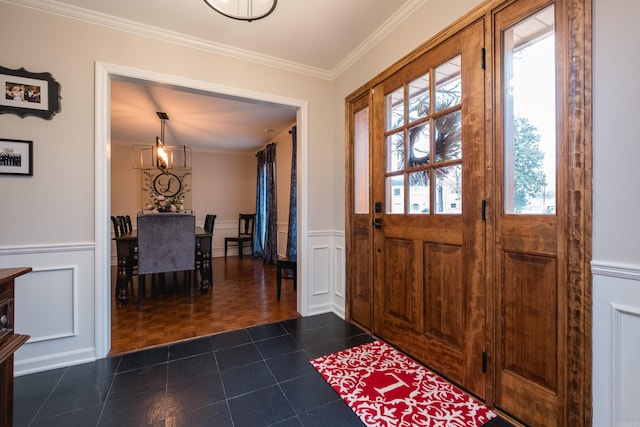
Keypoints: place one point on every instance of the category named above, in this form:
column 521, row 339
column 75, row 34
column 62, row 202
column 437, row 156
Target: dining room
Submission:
column 218, row 139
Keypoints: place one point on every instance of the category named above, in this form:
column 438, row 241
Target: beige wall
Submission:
column 63, row 181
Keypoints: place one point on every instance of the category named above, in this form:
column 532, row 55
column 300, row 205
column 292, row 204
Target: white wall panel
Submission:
column 339, row 300
column 325, row 273
column 47, row 304
column 321, row 270
column 625, row 352
column 616, row 344
column 54, row 304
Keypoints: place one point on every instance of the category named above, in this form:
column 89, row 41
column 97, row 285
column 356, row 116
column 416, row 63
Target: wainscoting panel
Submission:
column 624, row 367
column 339, row 298
column 321, row 269
column 54, row 304
column 53, row 291
column 616, row 344
column 325, row 273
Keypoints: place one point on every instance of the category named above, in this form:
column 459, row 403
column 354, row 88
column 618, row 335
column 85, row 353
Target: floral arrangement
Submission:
column 163, row 204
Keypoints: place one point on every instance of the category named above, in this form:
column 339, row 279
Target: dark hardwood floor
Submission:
column 243, row 295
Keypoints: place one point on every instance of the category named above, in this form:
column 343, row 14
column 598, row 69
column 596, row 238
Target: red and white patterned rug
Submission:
column 385, row 388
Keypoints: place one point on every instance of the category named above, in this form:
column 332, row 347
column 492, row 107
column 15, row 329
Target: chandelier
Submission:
column 162, row 156
column 243, row 10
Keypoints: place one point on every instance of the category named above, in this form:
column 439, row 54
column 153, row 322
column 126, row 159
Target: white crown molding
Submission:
column 382, row 31
column 97, row 18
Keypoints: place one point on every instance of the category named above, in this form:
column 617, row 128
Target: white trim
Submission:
column 46, row 249
column 109, row 21
column 614, row 269
column 53, row 361
column 373, row 39
column 129, row 26
column 104, row 72
column 74, row 295
column 338, row 271
column 618, row 311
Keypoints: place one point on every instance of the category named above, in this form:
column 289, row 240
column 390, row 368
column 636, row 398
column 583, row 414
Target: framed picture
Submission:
column 16, row 157
column 29, row 94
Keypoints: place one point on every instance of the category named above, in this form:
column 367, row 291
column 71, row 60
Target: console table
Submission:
column 9, row 342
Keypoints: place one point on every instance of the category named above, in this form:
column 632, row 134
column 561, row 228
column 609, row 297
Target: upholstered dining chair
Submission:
column 246, row 227
column 166, row 243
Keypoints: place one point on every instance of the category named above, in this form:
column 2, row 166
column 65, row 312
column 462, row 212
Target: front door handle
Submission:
column 377, row 223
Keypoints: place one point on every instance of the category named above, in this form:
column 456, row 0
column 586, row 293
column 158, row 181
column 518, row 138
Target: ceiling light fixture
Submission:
column 161, row 156
column 243, row 10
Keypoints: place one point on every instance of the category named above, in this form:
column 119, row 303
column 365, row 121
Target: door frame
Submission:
column 104, row 73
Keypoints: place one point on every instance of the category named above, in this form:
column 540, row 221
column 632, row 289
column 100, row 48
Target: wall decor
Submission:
column 174, row 184
column 29, row 94
column 16, row 157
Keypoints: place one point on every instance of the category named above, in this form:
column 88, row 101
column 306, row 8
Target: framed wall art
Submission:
column 29, row 94
column 16, row 157
column 173, row 184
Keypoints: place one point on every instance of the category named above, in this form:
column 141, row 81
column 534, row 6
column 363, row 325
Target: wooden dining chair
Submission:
column 166, row 243
column 209, row 223
column 117, row 226
column 120, row 228
column 246, row 228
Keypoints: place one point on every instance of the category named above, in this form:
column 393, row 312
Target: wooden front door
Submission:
column 428, row 238
column 469, row 216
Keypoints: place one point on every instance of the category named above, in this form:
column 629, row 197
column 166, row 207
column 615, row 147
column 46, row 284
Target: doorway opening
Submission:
column 105, row 73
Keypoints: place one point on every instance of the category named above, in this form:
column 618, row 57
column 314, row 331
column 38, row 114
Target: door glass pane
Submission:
column 448, row 84
column 529, row 115
column 395, row 152
column 419, row 145
column 448, row 137
column 448, row 190
column 395, row 108
column 361, row 161
column 419, row 192
column 395, row 194
column 419, row 98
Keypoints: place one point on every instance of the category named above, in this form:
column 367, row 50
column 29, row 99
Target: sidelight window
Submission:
column 530, row 115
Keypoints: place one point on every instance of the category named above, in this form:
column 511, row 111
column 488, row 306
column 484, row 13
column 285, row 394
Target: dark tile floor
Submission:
column 258, row 376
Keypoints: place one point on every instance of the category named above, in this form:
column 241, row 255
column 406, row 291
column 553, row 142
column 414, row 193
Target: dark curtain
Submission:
column 265, row 243
column 292, row 231
column 258, row 241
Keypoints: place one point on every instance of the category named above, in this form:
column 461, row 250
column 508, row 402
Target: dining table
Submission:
column 126, row 245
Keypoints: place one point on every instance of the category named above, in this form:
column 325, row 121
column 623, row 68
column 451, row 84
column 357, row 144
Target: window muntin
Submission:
column 424, row 143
